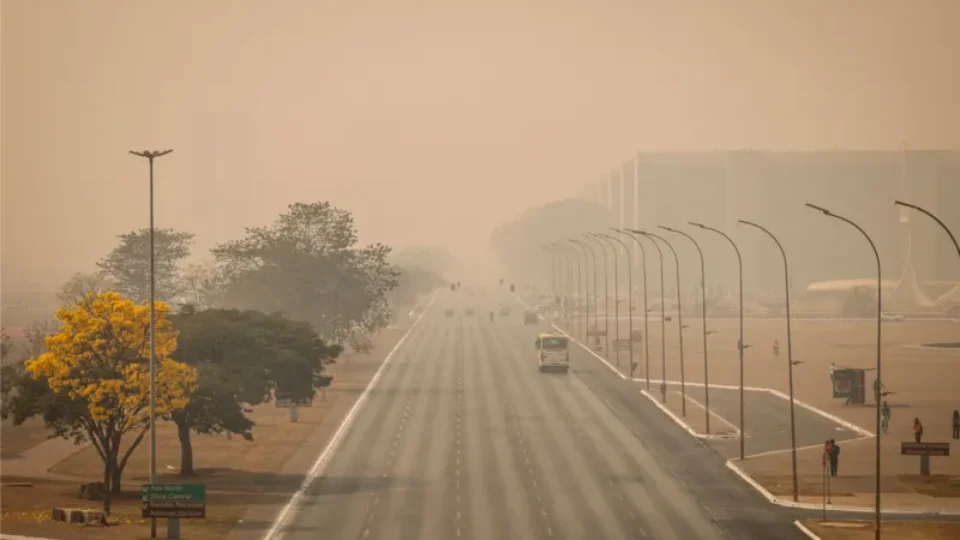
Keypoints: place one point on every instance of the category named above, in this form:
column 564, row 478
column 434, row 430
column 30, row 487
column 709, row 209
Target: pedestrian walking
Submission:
column 956, row 424
column 885, row 416
column 834, row 457
column 917, row 430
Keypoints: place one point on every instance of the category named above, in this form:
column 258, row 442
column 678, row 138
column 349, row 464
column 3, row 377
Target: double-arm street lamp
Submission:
column 151, row 155
column 876, row 396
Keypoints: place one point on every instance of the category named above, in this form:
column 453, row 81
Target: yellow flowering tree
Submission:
column 97, row 370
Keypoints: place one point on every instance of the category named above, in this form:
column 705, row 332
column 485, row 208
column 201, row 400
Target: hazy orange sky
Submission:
column 431, row 121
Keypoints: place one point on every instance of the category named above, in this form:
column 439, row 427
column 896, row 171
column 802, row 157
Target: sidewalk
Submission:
column 37, row 461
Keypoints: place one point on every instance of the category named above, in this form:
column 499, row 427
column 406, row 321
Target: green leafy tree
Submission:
column 240, row 358
column 306, row 266
column 128, row 265
column 80, row 285
column 6, row 343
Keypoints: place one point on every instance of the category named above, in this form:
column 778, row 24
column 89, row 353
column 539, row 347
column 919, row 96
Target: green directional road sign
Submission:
column 173, row 500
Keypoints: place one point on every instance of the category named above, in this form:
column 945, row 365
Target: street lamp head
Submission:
column 664, row 227
column 819, row 208
column 150, row 154
column 695, row 224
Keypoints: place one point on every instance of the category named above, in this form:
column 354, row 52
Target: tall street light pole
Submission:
column 553, row 267
column 683, row 380
column 588, row 255
column 793, row 424
column 616, row 294
column 703, row 315
column 579, row 302
column 629, row 301
column 663, row 320
column 646, row 312
column 740, row 344
column 593, row 260
column 935, row 218
column 151, row 155
column 876, row 254
column 606, row 294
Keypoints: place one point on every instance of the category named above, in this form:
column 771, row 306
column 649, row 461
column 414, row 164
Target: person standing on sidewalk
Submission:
column 885, row 417
column 834, row 457
column 956, row 424
column 917, row 430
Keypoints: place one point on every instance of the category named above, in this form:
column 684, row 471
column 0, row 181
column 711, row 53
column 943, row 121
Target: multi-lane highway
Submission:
column 462, row 437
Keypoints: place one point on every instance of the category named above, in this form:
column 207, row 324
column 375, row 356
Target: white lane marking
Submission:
column 366, row 533
column 458, row 532
column 549, row 531
column 328, row 451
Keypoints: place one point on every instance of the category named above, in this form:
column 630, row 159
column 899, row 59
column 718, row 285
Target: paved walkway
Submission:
column 37, row 461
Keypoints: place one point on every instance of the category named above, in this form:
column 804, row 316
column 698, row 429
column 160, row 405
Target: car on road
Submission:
column 553, row 353
column 530, row 317
column 448, row 313
column 468, row 312
column 504, row 311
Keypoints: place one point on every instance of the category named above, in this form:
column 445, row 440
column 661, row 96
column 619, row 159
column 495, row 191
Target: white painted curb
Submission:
column 289, row 510
column 803, row 528
column 864, row 434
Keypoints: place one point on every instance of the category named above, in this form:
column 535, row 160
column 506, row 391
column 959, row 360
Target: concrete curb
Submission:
column 737, row 470
column 803, row 528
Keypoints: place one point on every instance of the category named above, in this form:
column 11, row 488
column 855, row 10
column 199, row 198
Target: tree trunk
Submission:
column 186, row 449
column 115, row 476
column 107, row 477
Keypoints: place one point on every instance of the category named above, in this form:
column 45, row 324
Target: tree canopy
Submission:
column 128, row 265
column 306, row 265
column 93, row 381
column 240, row 358
column 518, row 244
column 81, row 284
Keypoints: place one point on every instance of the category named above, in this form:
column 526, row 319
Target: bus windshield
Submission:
column 554, row 343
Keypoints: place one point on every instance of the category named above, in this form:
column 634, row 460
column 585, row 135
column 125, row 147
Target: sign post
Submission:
column 173, row 501
column 925, row 450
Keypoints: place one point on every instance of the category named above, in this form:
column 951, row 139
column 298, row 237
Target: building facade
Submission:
column 770, row 188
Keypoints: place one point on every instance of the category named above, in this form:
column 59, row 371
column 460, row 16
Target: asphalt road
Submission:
column 463, row 438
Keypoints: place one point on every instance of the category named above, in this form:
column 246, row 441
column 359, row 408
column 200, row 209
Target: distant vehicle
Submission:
column 504, row 311
column 890, row 317
column 952, row 311
column 449, row 313
column 530, row 317
column 468, row 312
column 553, row 353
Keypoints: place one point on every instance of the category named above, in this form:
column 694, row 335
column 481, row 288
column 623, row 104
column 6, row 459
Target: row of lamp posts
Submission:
column 561, row 248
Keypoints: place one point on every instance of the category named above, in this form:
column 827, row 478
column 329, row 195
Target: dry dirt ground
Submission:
column 854, row 530
column 923, row 383
column 236, row 472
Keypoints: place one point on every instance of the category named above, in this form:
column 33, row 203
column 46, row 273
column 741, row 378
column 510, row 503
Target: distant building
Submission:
column 718, row 188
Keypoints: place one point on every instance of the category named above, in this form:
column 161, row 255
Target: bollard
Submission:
column 294, row 416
